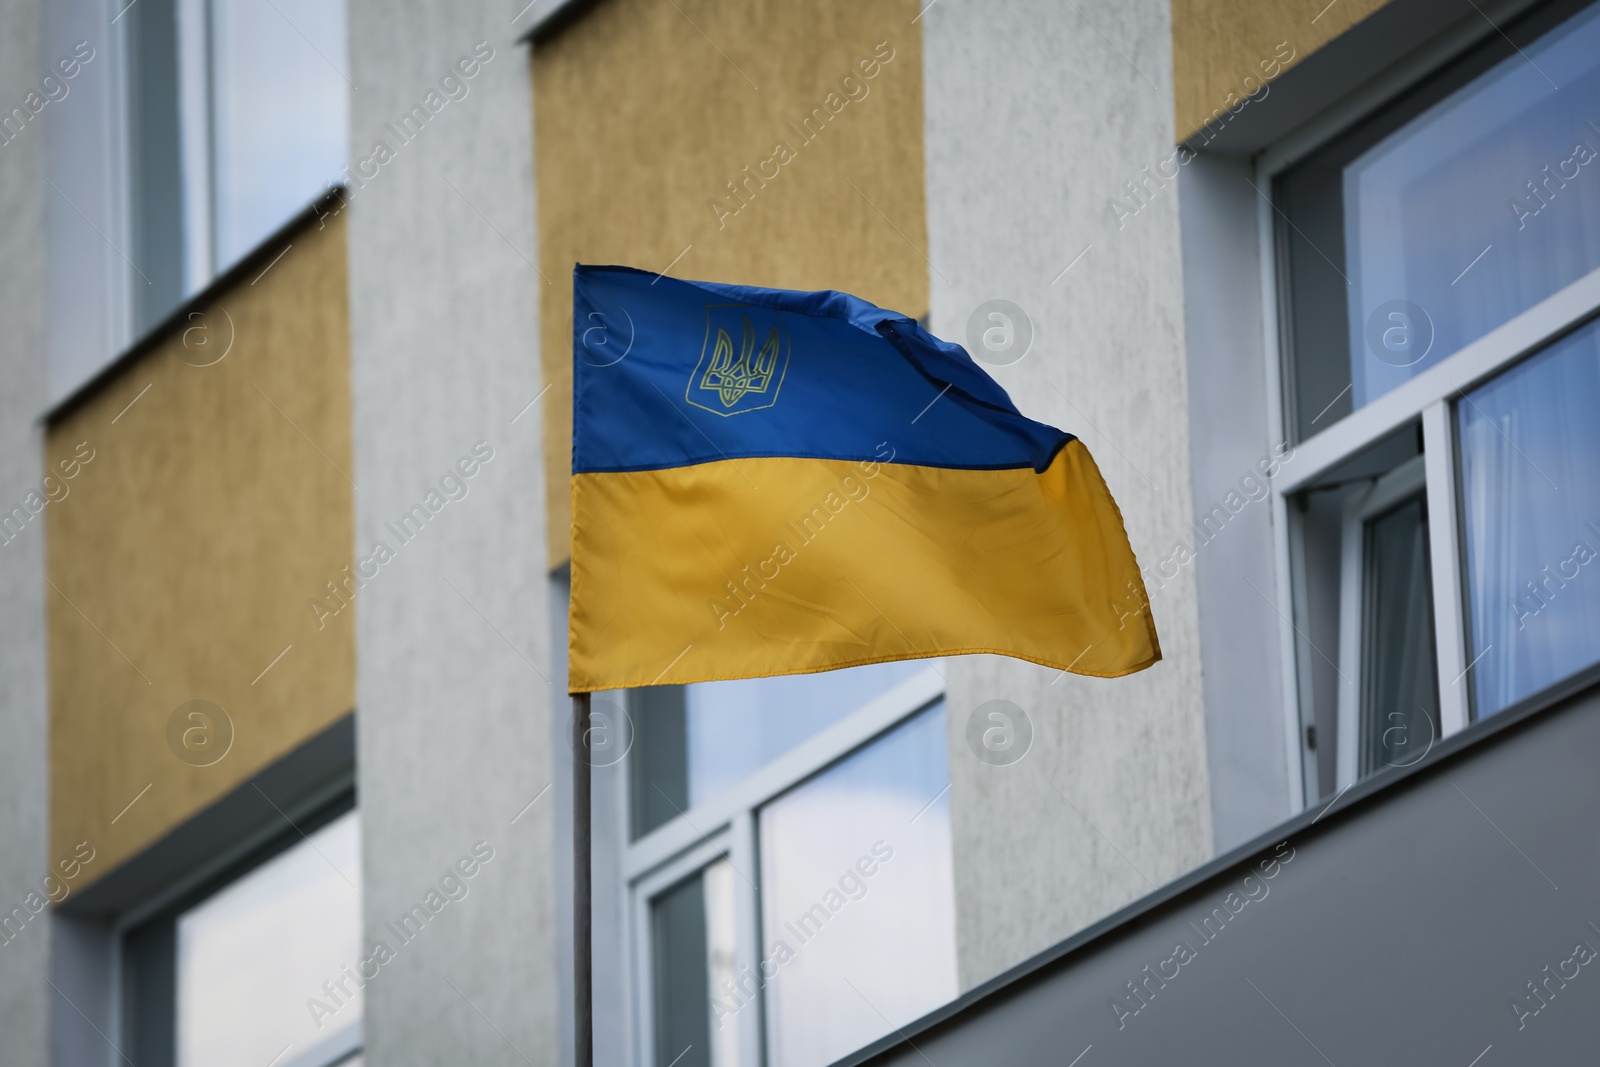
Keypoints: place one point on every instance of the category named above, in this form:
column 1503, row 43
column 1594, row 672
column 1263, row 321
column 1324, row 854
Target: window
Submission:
column 1422, row 229
column 224, row 978
column 856, row 882
column 237, row 119
column 1530, row 486
column 1391, row 652
column 1435, row 263
column 789, row 868
column 1365, row 613
column 698, row 740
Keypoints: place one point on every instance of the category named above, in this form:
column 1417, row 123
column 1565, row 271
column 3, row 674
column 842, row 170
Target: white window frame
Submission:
column 1429, row 398
column 725, row 843
column 727, row 825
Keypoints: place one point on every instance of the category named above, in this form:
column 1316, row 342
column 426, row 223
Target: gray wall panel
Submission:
column 1404, row 927
column 454, row 740
column 1037, row 114
column 24, row 782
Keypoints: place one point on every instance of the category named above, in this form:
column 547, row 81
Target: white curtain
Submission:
column 1530, row 466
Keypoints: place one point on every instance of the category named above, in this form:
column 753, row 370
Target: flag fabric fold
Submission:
column 772, row 482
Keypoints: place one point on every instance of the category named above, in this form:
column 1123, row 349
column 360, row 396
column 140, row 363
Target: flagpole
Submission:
column 582, row 961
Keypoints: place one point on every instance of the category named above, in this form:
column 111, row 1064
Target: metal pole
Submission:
column 582, row 952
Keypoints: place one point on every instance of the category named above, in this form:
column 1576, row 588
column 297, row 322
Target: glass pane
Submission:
column 692, row 948
column 692, row 742
column 251, row 955
column 1530, row 473
column 280, row 118
column 1400, row 681
column 1500, row 170
column 1441, row 219
column 736, row 728
column 858, row 898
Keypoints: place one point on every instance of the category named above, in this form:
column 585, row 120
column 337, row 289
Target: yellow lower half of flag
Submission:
column 754, row 567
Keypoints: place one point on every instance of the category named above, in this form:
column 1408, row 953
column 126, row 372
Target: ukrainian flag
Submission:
column 771, row 482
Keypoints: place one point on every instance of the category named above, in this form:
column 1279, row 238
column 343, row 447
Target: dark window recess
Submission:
column 1317, row 333
column 150, row 992
column 659, row 789
column 682, row 978
column 1399, row 677
column 156, row 186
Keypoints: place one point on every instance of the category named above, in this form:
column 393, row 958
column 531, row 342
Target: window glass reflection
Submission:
column 237, row 118
column 693, row 742
column 250, row 955
column 858, row 898
column 280, row 114
column 1461, row 205
column 1530, row 472
column 1475, row 211
column 738, row 727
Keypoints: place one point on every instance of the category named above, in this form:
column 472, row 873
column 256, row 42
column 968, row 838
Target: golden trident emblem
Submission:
column 730, row 377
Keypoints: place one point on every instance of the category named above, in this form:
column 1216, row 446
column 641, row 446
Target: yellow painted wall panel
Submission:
column 183, row 558
column 644, row 111
column 1217, row 44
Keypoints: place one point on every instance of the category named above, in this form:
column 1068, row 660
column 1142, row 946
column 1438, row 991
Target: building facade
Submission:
column 285, row 523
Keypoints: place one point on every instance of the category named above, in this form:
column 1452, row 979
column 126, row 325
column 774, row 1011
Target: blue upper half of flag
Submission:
column 669, row 373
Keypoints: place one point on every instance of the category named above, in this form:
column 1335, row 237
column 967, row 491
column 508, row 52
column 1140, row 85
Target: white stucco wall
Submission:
column 24, row 759
column 453, row 726
column 1037, row 114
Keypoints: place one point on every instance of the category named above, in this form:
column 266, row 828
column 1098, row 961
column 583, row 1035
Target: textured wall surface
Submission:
column 1059, row 106
column 453, row 736
column 25, row 859
column 646, row 111
column 187, row 552
column 1216, row 44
